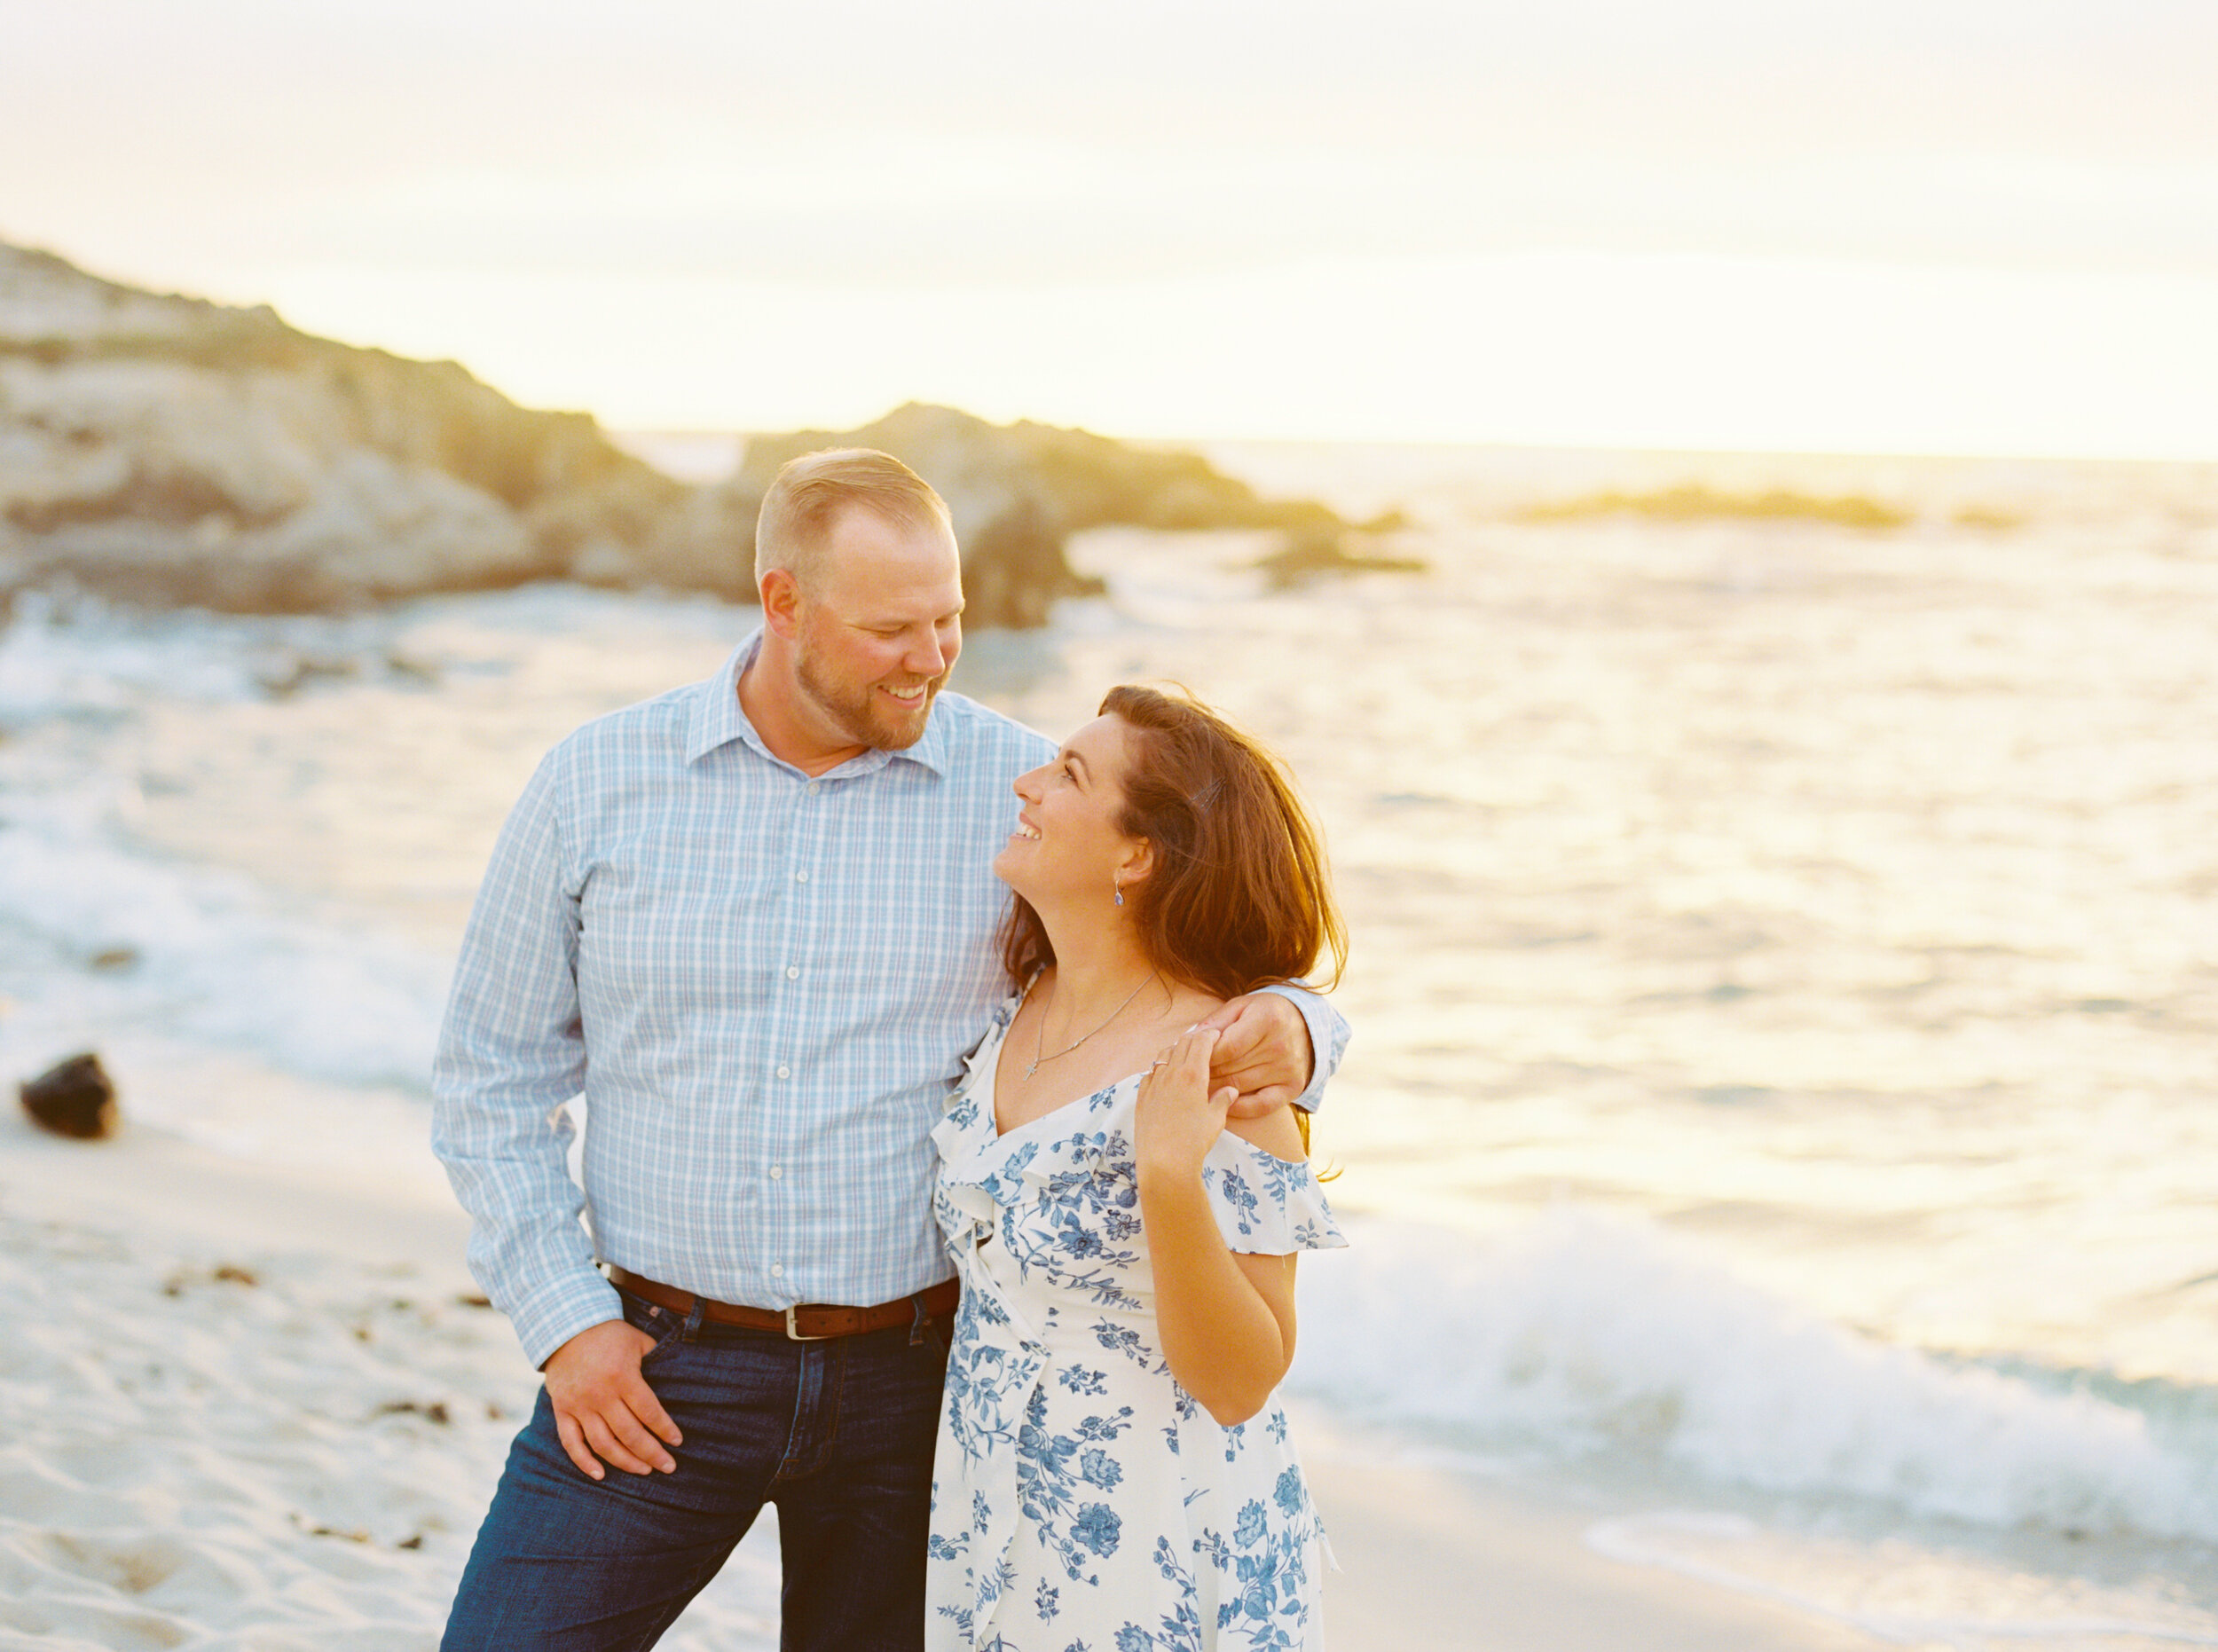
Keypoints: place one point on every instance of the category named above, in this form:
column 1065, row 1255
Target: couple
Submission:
column 757, row 923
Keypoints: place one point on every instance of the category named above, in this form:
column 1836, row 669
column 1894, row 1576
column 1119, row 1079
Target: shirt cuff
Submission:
column 1328, row 1041
column 552, row 1315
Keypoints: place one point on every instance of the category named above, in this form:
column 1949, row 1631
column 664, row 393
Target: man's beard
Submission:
column 864, row 715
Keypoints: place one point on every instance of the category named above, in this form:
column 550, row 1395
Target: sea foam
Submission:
column 195, row 953
column 210, row 960
column 1579, row 1334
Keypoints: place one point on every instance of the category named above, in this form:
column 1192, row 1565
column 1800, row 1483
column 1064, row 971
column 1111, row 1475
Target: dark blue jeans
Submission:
column 837, row 1433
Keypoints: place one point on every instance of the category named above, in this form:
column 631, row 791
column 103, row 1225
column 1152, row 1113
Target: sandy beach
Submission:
column 1767, row 1230
column 264, row 1411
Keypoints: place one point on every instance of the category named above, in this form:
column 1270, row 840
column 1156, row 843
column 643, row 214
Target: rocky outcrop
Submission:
column 1310, row 554
column 1017, row 492
column 1693, row 501
column 167, row 451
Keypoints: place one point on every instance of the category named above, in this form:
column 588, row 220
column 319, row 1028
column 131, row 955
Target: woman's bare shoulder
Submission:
column 1275, row 1132
column 1193, row 1004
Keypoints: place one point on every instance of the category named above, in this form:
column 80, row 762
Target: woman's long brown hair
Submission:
column 1240, row 896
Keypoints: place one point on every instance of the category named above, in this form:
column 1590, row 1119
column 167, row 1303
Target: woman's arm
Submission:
column 1226, row 1319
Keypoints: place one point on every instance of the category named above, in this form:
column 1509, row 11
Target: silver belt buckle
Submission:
column 793, row 1331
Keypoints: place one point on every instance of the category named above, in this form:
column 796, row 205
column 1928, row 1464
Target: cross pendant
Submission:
column 1029, row 1070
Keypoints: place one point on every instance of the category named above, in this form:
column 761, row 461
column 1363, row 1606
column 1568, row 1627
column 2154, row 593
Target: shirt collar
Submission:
column 718, row 720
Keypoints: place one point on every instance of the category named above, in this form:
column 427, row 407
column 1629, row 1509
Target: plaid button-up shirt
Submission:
column 762, row 983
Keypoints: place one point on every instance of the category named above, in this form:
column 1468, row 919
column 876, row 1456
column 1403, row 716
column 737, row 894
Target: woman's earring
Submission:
column 1120, row 887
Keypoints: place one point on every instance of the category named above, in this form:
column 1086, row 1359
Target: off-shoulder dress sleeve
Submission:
column 1265, row 1205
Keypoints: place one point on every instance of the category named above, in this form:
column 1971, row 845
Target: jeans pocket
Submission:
column 657, row 1321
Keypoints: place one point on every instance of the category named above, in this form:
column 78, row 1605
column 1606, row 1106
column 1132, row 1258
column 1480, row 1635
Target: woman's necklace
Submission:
column 1040, row 1033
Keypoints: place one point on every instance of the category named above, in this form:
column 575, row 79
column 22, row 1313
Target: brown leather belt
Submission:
column 805, row 1322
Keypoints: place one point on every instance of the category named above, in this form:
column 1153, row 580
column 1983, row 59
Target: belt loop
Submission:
column 919, row 1320
column 692, row 1333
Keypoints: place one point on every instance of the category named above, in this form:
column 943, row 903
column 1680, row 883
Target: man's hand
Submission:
column 1262, row 1050
column 602, row 1403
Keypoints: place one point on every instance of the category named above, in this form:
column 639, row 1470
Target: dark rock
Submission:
column 113, row 958
column 1015, row 567
column 413, row 672
column 222, row 1273
column 431, row 1411
column 289, row 672
column 74, row 1098
column 1312, row 552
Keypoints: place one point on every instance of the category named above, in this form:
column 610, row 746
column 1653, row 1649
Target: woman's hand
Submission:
column 1178, row 1118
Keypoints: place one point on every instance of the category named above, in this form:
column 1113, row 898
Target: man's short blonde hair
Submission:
column 794, row 529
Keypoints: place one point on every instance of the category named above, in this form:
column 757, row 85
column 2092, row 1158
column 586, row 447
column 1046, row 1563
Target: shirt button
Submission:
column 785, row 1072
column 778, row 1173
column 777, row 1271
column 812, row 788
column 800, row 878
column 791, row 973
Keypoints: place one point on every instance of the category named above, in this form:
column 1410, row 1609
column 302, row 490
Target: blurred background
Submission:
column 1704, row 224
column 1718, row 501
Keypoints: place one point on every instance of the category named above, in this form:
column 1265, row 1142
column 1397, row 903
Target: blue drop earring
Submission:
column 1120, row 888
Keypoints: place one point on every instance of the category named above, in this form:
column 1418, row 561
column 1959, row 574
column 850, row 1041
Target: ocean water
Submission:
column 1785, row 974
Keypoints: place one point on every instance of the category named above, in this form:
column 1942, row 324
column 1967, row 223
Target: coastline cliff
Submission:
column 165, row 451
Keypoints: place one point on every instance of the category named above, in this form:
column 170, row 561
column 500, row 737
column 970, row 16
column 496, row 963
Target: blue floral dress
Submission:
column 1082, row 1501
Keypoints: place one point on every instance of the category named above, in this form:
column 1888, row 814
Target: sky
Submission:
column 1892, row 225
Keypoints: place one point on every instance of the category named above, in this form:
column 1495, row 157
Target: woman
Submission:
column 1111, row 1472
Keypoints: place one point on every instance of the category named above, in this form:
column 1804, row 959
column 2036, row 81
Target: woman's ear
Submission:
column 1139, row 861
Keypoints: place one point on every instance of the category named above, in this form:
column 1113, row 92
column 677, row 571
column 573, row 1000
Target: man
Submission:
column 752, row 922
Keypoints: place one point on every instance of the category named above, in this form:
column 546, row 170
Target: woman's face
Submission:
column 1066, row 848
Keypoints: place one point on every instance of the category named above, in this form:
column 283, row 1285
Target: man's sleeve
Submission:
column 1328, row 1041
column 511, row 1052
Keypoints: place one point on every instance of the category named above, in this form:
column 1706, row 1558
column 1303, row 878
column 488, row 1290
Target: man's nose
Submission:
column 927, row 659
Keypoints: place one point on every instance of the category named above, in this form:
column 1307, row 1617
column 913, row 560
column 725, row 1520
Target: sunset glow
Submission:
column 1966, row 228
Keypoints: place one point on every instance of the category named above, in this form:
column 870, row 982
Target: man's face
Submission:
column 879, row 634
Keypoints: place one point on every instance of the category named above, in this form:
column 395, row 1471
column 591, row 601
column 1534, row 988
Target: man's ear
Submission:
column 781, row 603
